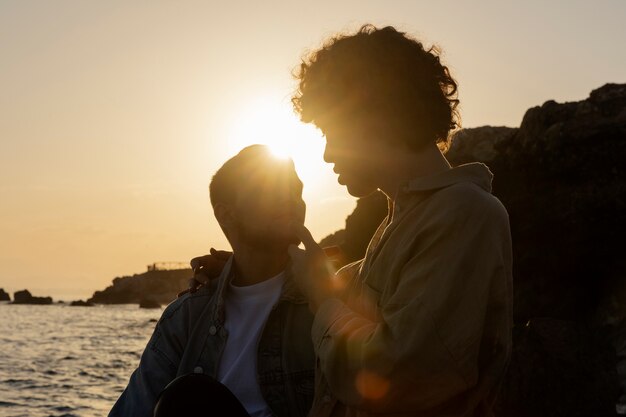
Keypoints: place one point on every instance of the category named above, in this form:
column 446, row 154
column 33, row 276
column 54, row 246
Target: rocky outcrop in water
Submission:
column 149, row 303
column 159, row 286
column 4, row 296
column 25, row 297
column 81, row 303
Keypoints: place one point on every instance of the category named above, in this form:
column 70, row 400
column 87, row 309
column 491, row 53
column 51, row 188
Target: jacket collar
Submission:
column 475, row 172
column 290, row 291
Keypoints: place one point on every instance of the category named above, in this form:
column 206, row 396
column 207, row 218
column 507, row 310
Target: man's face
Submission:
column 351, row 148
column 267, row 206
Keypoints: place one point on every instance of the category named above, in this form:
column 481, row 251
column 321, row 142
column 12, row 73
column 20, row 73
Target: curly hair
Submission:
column 379, row 74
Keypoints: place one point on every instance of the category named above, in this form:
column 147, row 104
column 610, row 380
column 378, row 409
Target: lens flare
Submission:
column 371, row 385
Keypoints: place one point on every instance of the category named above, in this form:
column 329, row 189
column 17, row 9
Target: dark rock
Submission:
column 161, row 286
column 149, row 303
column 559, row 368
column 25, row 297
column 360, row 226
column 562, row 179
column 4, row 296
column 335, row 239
column 81, row 303
column 479, row 144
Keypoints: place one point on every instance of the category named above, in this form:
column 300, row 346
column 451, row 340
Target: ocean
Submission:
column 63, row 361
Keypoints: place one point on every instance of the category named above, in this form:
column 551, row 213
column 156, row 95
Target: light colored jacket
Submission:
column 423, row 327
column 190, row 336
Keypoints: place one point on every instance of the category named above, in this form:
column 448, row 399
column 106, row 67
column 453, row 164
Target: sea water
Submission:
column 57, row 360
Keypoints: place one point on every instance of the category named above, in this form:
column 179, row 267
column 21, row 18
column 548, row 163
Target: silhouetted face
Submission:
column 267, row 205
column 354, row 152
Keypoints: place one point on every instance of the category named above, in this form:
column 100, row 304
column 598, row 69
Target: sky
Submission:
column 114, row 115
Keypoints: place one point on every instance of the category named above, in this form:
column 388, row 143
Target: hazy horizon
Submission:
column 116, row 114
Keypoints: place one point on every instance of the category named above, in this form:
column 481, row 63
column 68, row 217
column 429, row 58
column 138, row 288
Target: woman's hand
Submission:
column 208, row 267
column 312, row 269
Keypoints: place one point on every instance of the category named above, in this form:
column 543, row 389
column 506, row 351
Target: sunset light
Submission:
column 271, row 121
column 152, row 258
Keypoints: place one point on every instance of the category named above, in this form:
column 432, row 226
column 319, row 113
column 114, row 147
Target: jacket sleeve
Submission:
column 423, row 348
column 157, row 368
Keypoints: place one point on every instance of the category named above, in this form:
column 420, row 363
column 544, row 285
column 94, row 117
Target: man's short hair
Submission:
column 379, row 74
column 243, row 170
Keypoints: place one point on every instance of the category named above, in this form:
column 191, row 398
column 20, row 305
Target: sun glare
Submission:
column 271, row 121
column 280, row 152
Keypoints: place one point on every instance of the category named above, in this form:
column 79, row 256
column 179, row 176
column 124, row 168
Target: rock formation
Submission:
column 360, row 226
column 562, row 179
column 160, row 286
column 25, row 297
column 81, row 303
column 149, row 303
column 4, row 296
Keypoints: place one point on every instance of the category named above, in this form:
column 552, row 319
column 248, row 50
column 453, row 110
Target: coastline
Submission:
column 67, row 295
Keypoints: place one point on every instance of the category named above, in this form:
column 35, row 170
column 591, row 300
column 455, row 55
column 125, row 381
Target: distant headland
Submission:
column 159, row 285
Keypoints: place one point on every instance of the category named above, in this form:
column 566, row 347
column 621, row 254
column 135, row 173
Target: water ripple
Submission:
column 57, row 363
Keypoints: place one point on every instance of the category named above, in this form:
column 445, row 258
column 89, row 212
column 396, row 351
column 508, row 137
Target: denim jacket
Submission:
column 190, row 337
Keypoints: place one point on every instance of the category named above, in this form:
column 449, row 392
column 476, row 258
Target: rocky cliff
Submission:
column 150, row 288
column 562, row 178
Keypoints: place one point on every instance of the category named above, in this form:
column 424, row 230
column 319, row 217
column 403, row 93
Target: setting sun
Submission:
column 271, row 121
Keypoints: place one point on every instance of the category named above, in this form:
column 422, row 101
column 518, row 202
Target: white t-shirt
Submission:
column 246, row 311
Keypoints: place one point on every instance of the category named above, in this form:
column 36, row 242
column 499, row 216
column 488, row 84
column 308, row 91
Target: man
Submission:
column 422, row 325
column 250, row 328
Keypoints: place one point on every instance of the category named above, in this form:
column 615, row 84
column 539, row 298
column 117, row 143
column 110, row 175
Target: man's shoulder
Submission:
column 189, row 304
